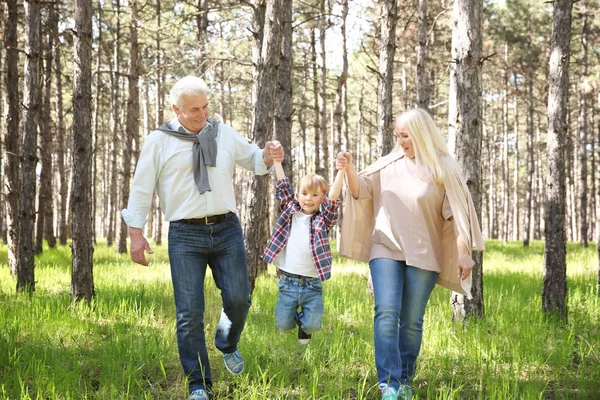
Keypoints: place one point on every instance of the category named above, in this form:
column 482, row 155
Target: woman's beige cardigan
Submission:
column 359, row 223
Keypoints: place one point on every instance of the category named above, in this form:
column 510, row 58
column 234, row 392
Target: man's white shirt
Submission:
column 166, row 165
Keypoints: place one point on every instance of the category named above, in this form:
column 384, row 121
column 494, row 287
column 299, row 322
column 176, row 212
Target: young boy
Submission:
column 299, row 246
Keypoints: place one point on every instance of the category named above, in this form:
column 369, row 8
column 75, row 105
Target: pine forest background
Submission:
column 330, row 101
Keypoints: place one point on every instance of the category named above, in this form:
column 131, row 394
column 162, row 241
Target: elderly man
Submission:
column 189, row 161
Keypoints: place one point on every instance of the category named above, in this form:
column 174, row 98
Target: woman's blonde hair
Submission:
column 312, row 182
column 427, row 140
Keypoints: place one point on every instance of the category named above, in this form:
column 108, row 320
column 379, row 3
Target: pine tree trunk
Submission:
column 82, row 281
column 387, row 50
column 45, row 216
column 464, row 115
column 554, row 291
column 159, row 117
column 323, row 26
column 341, row 127
column 515, row 188
column 11, row 140
column 583, row 126
column 284, row 109
column 423, row 93
column 31, row 98
column 316, row 107
column 256, row 217
column 63, row 227
column 133, row 121
column 116, row 132
column 202, row 35
column 530, row 162
column 99, row 141
column 505, row 166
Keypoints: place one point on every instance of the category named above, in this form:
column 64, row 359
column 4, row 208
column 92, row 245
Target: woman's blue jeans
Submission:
column 401, row 295
column 191, row 248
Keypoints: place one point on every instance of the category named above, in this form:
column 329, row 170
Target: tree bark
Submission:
column 255, row 222
column 63, row 226
column 515, row 186
column 387, row 50
column 583, row 126
column 133, row 121
column 316, row 107
column 323, row 26
column 45, row 215
column 31, row 97
column 464, row 114
column 554, row 291
column 530, row 162
column 11, row 140
column 159, row 117
column 82, row 281
column 202, row 36
column 284, row 110
column 423, row 93
column 116, row 134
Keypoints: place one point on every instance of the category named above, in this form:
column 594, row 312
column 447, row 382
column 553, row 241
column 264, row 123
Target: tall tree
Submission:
column 554, row 291
column 11, row 140
column 323, row 26
column 82, row 280
column 202, row 35
column 387, row 50
column 159, row 115
column 464, row 117
column 63, row 226
column 133, row 120
column 530, row 161
column 423, row 94
column 583, row 127
column 284, row 110
column 45, row 214
column 116, row 123
column 316, row 107
column 31, row 97
column 255, row 224
column 340, row 115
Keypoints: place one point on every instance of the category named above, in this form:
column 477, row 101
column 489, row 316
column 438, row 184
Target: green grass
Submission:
column 123, row 346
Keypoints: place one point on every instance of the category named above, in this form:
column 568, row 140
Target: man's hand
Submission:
column 273, row 152
column 139, row 244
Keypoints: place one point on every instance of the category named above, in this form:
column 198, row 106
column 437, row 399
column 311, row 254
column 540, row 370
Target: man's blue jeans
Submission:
column 191, row 248
column 401, row 295
column 299, row 292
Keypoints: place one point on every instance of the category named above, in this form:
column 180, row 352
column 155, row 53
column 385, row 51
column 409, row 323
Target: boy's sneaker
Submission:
column 234, row 362
column 200, row 394
column 389, row 393
column 303, row 337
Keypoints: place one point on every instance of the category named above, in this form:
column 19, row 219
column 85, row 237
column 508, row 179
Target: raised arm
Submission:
column 336, row 188
column 344, row 161
column 279, row 172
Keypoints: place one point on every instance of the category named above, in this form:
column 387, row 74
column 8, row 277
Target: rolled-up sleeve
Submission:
column 143, row 184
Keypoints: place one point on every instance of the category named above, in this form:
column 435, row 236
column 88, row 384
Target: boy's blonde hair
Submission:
column 313, row 181
column 427, row 140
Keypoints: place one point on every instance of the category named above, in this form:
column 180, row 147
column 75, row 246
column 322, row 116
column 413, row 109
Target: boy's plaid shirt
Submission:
column 320, row 224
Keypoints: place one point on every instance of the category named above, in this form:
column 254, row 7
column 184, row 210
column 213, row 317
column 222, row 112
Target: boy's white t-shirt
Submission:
column 298, row 257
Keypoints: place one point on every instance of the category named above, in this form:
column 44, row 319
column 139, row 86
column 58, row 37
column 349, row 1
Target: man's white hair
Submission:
column 189, row 85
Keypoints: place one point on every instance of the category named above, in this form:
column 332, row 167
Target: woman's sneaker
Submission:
column 405, row 392
column 200, row 394
column 389, row 393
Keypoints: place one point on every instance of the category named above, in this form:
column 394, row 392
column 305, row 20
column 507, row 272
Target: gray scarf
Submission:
column 205, row 150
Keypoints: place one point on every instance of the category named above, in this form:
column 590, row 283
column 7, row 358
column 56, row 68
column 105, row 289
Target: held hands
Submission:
column 274, row 151
column 343, row 160
column 465, row 266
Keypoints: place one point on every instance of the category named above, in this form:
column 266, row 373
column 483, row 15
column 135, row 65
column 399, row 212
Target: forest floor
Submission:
column 123, row 346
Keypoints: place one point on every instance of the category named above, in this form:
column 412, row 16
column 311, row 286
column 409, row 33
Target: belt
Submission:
column 294, row 276
column 213, row 219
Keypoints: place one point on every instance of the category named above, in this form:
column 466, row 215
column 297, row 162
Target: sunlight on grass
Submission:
column 123, row 345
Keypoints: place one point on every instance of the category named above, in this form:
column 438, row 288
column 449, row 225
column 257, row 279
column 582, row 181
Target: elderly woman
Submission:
column 418, row 226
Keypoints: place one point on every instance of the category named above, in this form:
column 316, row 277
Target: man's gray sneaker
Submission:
column 234, row 362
